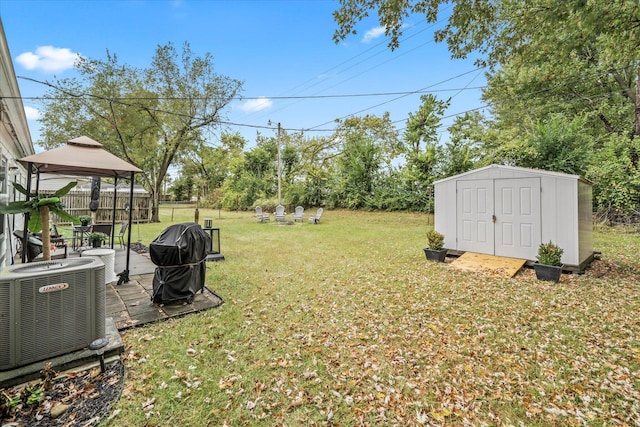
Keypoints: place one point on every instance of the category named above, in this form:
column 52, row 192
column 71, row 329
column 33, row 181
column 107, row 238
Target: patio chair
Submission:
column 297, row 215
column 102, row 228
column 55, row 234
column 314, row 219
column 280, row 215
column 123, row 229
column 34, row 246
column 56, row 238
column 262, row 217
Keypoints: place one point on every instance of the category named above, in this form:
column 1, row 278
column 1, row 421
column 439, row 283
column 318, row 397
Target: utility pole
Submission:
column 279, row 198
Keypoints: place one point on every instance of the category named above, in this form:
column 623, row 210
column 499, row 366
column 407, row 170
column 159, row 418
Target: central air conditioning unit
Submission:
column 50, row 308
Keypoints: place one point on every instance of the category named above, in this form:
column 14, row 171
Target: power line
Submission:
column 402, row 96
column 382, row 43
column 122, row 101
column 384, row 49
column 244, row 98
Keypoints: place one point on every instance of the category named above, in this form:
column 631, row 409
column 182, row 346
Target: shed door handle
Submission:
column 493, row 218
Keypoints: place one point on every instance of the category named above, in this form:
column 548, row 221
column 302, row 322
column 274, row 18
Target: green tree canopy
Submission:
column 536, row 29
column 145, row 116
column 562, row 81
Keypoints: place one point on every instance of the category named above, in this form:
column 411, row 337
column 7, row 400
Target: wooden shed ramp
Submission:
column 491, row 264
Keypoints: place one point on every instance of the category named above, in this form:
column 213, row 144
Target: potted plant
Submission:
column 549, row 265
column 84, row 220
column 434, row 250
column 96, row 239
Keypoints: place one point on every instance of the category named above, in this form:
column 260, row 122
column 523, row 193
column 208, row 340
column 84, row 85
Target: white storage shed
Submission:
column 508, row 211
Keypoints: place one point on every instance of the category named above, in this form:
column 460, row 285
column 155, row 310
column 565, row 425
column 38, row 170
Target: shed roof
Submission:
column 515, row 169
column 81, row 156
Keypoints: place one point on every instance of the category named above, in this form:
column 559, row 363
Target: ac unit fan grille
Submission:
column 49, row 321
column 5, row 324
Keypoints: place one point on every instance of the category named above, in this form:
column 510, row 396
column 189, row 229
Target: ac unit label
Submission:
column 53, row 288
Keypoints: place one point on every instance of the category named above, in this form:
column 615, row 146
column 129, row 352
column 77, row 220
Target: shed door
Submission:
column 517, row 211
column 499, row 217
column 475, row 229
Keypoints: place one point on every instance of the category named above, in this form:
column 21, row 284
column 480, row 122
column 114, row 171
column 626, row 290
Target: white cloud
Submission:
column 48, row 58
column 373, row 34
column 31, row 113
column 253, row 105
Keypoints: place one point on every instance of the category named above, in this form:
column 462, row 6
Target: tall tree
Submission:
column 461, row 153
column 422, row 126
column 147, row 116
column 357, row 169
column 598, row 35
column 310, row 165
column 379, row 130
column 211, row 163
column 423, row 165
column 559, row 145
column 252, row 176
column 367, row 143
column 616, row 178
column 574, row 58
column 501, row 29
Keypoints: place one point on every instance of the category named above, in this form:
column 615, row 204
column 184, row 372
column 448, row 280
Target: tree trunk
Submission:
column 46, row 234
column 155, row 216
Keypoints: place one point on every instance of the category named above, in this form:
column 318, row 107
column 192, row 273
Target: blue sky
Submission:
column 279, row 48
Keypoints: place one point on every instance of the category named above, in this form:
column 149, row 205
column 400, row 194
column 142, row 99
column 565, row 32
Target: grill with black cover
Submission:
column 179, row 253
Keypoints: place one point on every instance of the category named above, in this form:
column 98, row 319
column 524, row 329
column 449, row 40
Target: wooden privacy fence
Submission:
column 77, row 203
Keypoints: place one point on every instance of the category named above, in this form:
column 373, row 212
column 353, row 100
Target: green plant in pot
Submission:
column 435, row 243
column 96, row 239
column 84, row 220
column 549, row 265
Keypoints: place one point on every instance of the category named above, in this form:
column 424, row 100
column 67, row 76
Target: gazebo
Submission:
column 82, row 156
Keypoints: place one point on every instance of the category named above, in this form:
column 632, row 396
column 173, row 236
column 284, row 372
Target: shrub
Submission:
column 435, row 240
column 98, row 237
column 84, row 219
column 550, row 254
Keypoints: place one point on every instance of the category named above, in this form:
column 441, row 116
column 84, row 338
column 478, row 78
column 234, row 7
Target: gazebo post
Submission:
column 113, row 213
column 124, row 276
column 26, row 216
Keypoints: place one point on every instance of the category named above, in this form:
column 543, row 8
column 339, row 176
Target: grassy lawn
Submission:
column 345, row 323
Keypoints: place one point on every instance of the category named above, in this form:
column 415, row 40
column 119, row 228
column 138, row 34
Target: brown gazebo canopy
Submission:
column 83, row 156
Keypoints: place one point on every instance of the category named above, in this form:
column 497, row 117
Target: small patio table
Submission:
column 80, row 235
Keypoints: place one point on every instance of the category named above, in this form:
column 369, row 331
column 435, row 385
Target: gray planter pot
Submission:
column 437, row 255
column 550, row 273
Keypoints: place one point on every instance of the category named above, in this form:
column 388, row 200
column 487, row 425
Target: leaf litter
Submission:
column 89, row 395
column 393, row 344
column 429, row 347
